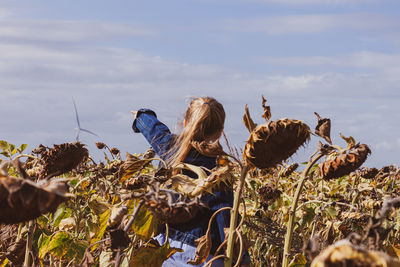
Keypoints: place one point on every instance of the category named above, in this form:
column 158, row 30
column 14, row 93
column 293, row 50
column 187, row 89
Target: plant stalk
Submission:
column 29, row 241
column 234, row 215
column 293, row 207
column 126, row 228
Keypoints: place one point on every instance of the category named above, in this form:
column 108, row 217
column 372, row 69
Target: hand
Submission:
column 134, row 112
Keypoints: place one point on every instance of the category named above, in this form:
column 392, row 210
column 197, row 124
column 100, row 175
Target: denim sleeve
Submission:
column 155, row 132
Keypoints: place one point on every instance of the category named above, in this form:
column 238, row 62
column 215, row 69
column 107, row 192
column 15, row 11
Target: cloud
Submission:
column 66, row 30
column 314, row 23
column 316, row 2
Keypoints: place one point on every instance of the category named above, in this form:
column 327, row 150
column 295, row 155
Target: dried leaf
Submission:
column 248, row 121
column 203, row 248
column 298, row 261
column 117, row 213
column 131, row 166
column 351, row 143
column 323, row 128
column 16, row 252
column 267, row 110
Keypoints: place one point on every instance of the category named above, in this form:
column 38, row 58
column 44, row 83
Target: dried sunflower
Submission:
column 270, row 144
column 63, row 158
column 23, row 200
column 344, row 163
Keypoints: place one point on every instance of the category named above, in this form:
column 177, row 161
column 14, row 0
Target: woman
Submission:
column 203, row 122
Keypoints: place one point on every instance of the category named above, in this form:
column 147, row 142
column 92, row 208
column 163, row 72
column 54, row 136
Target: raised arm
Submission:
column 155, row 132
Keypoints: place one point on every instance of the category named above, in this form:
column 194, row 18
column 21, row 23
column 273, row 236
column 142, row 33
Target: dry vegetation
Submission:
column 60, row 208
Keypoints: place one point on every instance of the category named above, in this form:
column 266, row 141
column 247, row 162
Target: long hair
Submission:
column 204, row 122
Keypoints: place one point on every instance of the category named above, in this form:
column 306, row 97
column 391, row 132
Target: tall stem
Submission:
column 234, row 215
column 292, row 211
column 126, row 228
column 29, row 241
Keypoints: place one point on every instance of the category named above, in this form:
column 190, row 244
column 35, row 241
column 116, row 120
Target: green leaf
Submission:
column 59, row 215
column 43, row 244
column 62, row 245
column 145, row 224
column 22, row 148
column 14, row 151
column 330, row 212
column 6, row 154
column 11, row 148
column 3, row 145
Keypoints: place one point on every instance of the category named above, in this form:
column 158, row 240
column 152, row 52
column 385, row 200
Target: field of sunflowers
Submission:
column 58, row 207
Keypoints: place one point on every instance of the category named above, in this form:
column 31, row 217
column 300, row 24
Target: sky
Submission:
column 340, row 58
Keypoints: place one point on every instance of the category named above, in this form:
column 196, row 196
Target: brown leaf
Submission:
column 16, row 252
column 323, row 128
column 328, row 235
column 202, row 250
column 248, row 121
column 267, row 110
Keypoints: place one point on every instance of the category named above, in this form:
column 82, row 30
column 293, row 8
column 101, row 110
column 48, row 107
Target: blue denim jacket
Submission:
column 160, row 138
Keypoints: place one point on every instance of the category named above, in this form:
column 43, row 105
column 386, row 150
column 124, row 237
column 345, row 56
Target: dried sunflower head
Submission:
column 100, row 145
column 63, row 158
column 268, row 194
column 344, row 163
column 23, row 200
column 168, row 208
column 272, row 143
column 368, row 173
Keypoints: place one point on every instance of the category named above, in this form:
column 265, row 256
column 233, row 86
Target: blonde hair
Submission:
column 204, row 122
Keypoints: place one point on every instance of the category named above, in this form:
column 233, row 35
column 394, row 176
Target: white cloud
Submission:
column 314, row 23
column 316, row 2
column 66, row 31
column 384, row 63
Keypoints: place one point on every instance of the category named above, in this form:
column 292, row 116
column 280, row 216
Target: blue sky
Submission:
column 340, row 58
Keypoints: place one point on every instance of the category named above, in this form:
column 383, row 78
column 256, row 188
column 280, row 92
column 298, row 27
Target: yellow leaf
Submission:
column 145, row 224
column 396, row 249
column 103, row 219
column 298, row 261
column 129, row 168
column 152, row 255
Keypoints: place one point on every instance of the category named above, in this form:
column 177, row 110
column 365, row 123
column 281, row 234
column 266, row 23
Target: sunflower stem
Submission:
column 293, row 207
column 29, row 241
column 234, row 215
